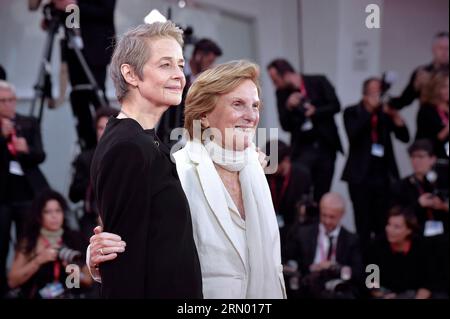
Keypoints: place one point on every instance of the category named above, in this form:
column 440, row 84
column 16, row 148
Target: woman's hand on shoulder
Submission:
column 104, row 247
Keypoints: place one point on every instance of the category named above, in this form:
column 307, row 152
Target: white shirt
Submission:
column 323, row 244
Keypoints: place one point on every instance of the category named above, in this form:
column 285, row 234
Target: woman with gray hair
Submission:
column 138, row 193
column 234, row 222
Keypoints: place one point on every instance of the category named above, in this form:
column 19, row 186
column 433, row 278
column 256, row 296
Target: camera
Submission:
column 70, row 256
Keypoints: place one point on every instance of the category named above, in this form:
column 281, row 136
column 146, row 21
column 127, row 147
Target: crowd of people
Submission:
column 210, row 224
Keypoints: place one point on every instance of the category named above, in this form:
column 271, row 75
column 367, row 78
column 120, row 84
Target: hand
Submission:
column 104, row 247
column 426, row 200
column 62, row 4
column 294, row 101
column 7, row 127
column 310, row 109
column 320, row 266
column 262, row 157
column 438, row 203
column 46, row 255
column 20, row 145
column 394, row 114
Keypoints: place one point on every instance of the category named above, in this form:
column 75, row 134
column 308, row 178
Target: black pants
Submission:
column 18, row 213
column 319, row 160
column 370, row 203
column 82, row 100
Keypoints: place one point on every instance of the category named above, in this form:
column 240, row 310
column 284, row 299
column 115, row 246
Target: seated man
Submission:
column 327, row 254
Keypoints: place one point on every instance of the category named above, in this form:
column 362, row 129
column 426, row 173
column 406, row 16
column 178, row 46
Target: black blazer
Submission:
column 358, row 128
column 323, row 96
column 97, row 30
column 429, row 124
column 302, row 248
column 140, row 198
column 27, row 127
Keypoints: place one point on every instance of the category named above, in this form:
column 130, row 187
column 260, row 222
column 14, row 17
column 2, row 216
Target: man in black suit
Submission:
column 306, row 108
column 21, row 152
column 371, row 165
column 204, row 55
column 420, row 192
column 327, row 251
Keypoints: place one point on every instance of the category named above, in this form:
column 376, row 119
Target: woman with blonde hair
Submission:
column 432, row 119
column 233, row 218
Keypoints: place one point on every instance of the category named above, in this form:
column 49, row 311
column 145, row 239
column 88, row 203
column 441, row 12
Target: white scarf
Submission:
column 263, row 238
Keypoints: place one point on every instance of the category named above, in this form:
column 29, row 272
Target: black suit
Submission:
column 369, row 177
column 302, row 248
column 429, row 124
column 17, row 192
column 140, row 198
column 406, row 193
column 98, row 33
column 315, row 148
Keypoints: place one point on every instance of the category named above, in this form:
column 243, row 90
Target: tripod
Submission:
column 43, row 86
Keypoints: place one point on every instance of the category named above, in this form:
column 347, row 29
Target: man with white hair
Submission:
column 326, row 251
column 21, row 152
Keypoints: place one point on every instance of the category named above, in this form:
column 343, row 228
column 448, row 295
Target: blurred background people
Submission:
column 402, row 259
column 306, row 108
column 21, row 152
column 371, row 166
column 432, row 118
column 80, row 187
column 44, row 251
column 326, row 252
column 422, row 74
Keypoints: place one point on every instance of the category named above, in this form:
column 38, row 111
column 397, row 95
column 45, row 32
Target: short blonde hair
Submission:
column 431, row 91
column 203, row 94
column 133, row 49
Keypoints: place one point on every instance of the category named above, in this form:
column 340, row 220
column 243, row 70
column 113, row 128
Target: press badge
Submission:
column 15, row 168
column 52, row 290
column 433, row 228
column 307, row 126
column 377, row 150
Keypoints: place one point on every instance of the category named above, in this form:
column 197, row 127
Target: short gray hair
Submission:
column 4, row 85
column 132, row 49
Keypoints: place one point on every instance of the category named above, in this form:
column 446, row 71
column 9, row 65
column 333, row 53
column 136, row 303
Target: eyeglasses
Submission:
column 8, row 100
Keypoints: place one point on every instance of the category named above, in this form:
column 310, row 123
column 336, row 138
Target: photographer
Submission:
column 420, row 194
column 306, row 108
column 371, row 166
column 97, row 35
column 422, row 74
column 45, row 250
column 21, row 152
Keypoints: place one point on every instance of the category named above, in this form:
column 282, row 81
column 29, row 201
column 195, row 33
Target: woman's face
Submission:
column 396, row 230
column 163, row 78
column 52, row 216
column 236, row 116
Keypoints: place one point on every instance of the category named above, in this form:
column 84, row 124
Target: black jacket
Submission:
column 27, row 127
column 140, row 198
column 358, row 128
column 322, row 95
column 302, row 248
column 429, row 124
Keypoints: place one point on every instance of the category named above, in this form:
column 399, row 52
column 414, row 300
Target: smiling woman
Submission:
column 139, row 195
